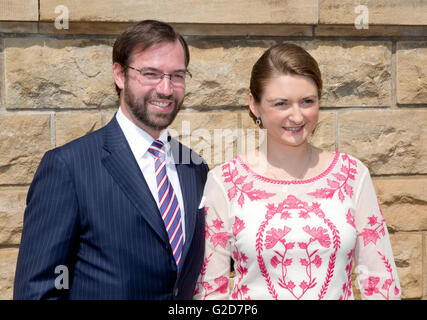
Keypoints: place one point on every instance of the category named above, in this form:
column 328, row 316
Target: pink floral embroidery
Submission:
column 373, row 234
column 340, row 183
column 214, row 235
column 203, row 284
column 275, row 238
column 239, row 292
column 372, row 284
column 240, row 188
column 346, row 288
column 238, row 226
column 320, row 234
column 350, row 219
column 222, row 283
column 217, row 237
column 275, row 235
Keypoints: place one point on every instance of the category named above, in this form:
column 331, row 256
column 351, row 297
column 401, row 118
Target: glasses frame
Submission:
column 168, row 75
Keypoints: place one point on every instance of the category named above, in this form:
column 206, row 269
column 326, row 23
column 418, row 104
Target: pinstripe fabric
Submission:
column 169, row 207
column 90, row 209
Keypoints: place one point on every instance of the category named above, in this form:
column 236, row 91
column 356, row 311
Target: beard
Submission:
column 139, row 108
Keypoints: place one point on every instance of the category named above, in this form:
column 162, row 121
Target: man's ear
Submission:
column 253, row 106
column 119, row 75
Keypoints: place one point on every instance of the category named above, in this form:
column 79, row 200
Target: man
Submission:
column 117, row 214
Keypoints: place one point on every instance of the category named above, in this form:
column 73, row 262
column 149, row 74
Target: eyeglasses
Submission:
column 154, row 76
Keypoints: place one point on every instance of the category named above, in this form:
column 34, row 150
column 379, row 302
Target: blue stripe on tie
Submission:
column 170, row 202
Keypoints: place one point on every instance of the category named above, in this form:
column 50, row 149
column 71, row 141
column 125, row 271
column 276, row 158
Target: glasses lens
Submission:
column 154, row 77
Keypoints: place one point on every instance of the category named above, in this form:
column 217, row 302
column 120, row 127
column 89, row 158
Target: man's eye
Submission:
column 151, row 75
column 178, row 76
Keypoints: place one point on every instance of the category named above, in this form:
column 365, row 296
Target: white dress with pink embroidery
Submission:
column 295, row 239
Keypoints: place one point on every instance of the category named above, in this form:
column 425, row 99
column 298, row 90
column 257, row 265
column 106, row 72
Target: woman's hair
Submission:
column 283, row 59
column 145, row 35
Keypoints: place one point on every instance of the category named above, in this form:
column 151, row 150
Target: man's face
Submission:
column 154, row 105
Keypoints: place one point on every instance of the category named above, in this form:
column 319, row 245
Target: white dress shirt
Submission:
column 139, row 142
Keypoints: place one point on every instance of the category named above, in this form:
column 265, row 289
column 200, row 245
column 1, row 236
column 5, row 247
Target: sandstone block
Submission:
column 224, row 29
column 247, row 121
column 24, row 138
column 8, row 259
column 19, row 27
column 19, row 10
column 187, row 29
column 403, row 202
column 211, row 134
column 411, row 81
column 71, row 126
column 12, row 207
column 1, row 75
column 424, row 267
column 324, row 135
column 373, row 31
column 52, row 73
column 407, row 251
column 387, row 141
column 391, row 12
column 186, row 11
column 221, row 71
column 354, row 73
column 108, row 115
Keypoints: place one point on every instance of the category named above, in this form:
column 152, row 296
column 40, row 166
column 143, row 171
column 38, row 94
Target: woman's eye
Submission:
column 308, row 101
column 280, row 104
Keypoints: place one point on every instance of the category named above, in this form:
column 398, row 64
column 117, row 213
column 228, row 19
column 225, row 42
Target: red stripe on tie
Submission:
column 175, row 216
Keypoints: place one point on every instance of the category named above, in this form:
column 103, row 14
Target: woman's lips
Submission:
column 294, row 129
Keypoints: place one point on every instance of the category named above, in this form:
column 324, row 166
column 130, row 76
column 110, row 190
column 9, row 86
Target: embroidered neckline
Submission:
column 276, row 181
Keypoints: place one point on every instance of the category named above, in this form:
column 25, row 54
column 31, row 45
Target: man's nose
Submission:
column 165, row 86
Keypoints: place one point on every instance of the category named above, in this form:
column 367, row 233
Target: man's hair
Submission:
column 142, row 36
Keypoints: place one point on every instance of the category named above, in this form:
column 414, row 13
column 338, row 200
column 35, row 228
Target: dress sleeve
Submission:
column 213, row 280
column 375, row 268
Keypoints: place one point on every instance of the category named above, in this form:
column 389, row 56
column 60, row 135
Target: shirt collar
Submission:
column 138, row 139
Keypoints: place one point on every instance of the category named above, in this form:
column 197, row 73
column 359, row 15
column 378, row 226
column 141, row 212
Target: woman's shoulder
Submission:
column 225, row 168
column 352, row 160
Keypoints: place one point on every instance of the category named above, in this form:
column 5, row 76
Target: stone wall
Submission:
column 56, row 84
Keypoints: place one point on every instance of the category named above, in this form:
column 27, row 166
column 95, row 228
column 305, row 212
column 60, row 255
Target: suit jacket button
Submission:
column 176, row 292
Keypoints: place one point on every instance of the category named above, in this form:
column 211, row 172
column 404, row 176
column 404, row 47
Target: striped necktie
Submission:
column 169, row 207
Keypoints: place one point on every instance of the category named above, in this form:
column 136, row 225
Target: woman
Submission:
column 293, row 217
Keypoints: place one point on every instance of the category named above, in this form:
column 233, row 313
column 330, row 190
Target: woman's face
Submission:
column 289, row 109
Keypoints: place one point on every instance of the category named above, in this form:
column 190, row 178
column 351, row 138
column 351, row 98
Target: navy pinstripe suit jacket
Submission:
column 90, row 209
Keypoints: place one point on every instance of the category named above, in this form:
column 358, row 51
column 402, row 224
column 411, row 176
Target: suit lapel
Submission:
column 188, row 186
column 122, row 166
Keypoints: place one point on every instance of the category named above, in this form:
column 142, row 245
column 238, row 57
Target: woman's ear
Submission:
column 119, row 75
column 253, row 106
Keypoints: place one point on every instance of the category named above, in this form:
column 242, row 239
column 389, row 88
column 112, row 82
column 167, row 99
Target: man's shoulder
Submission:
column 81, row 147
